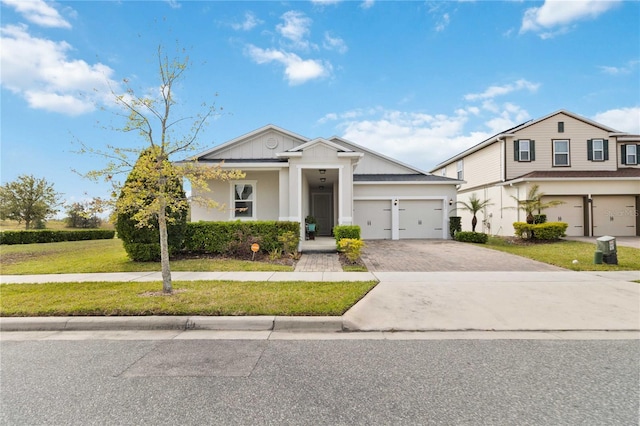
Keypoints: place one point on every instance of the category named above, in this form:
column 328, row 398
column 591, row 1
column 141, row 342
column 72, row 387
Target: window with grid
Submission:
column 631, row 156
column 460, row 170
column 561, row 153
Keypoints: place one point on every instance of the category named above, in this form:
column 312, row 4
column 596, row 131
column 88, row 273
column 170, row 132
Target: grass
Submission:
column 54, row 224
column 105, row 256
column 563, row 253
column 189, row 298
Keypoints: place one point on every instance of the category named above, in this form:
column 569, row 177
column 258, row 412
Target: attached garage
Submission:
column 420, row 219
column 571, row 212
column 614, row 215
column 374, row 219
column 399, row 218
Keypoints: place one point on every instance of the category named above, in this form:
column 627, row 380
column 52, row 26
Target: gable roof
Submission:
column 519, row 127
column 269, row 127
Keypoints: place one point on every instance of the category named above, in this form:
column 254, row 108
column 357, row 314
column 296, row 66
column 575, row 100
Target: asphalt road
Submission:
column 315, row 382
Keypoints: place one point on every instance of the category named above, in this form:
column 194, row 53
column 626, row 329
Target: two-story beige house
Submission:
column 592, row 168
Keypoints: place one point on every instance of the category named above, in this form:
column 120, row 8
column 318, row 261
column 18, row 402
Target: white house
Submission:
column 289, row 177
column 590, row 167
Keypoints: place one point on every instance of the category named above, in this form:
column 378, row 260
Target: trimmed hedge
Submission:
column 346, row 231
column 472, row 237
column 237, row 237
column 50, row 236
column 543, row 231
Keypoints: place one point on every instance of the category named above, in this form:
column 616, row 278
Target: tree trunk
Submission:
column 474, row 222
column 164, row 247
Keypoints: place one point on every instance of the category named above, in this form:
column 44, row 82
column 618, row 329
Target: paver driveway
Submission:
column 442, row 255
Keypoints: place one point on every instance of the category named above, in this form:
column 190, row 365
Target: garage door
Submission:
column 571, row 212
column 614, row 215
column 374, row 218
column 420, row 219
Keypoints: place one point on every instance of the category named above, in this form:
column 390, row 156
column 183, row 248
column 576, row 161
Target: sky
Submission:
column 418, row 81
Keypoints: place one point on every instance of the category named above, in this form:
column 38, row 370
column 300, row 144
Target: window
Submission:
column 244, row 200
column 630, row 154
column 597, row 150
column 560, row 126
column 561, row 153
column 524, row 150
column 443, row 172
column 460, row 170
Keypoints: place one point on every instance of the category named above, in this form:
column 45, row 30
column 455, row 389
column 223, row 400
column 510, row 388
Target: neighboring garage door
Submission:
column 614, row 215
column 571, row 212
column 374, row 219
column 420, row 219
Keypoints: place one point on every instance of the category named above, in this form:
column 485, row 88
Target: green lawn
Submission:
column 104, row 256
column 189, row 298
column 563, row 253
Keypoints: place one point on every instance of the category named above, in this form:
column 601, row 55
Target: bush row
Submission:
column 50, row 236
column 542, row 231
column 471, row 237
column 236, row 237
column 346, row 231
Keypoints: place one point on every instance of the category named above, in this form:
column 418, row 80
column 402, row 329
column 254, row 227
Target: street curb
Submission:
column 248, row 323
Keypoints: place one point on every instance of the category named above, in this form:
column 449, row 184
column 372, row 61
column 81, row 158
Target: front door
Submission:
column 322, row 210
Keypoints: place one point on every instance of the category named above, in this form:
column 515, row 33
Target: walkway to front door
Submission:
column 318, row 262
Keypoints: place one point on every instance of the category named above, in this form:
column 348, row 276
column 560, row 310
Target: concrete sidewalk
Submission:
column 410, row 301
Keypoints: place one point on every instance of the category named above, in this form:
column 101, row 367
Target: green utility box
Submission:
column 607, row 245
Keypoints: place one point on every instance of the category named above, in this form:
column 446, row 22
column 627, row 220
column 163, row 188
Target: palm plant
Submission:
column 474, row 206
column 533, row 203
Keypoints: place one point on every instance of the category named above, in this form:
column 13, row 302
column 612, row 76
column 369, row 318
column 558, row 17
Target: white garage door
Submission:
column 374, row 218
column 614, row 215
column 571, row 212
column 420, row 219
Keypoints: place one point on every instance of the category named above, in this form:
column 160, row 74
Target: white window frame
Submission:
column 634, row 155
column 253, row 200
column 556, row 153
column 595, row 150
column 460, row 170
column 522, row 151
column 443, row 172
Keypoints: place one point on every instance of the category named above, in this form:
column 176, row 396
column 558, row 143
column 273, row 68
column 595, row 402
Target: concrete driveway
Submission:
column 443, row 255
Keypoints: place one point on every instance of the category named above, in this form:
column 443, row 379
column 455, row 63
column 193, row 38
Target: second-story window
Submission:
column 460, row 170
column 560, row 126
column 524, row 150
column 597, row 150
column 561, row 153
column 630, row 154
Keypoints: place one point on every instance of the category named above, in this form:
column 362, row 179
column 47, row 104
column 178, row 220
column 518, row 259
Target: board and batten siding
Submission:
column 545, row 132
column 265, row 145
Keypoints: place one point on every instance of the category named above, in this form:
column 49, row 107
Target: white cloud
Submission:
column 423, row 140
column 443, row 22
column 622, row 119
column 325, row 2
column 556, row 16
column 250, row 22
column 297, row 70
column 334, row 43
column 174, row 4
column 494, row 91
column 626, row 69
column 296, row 28
column 38, row 12
column 40, row 71
column 367, row 4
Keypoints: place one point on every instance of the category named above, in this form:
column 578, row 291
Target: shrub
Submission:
column 49, row 236
column 544, row 231
column 455, row 225
column 135, row 237
column 236, row 237
column 346, row 231
column 540, row 218
column 351, row 247
column 289, row 242
column 472, row 237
